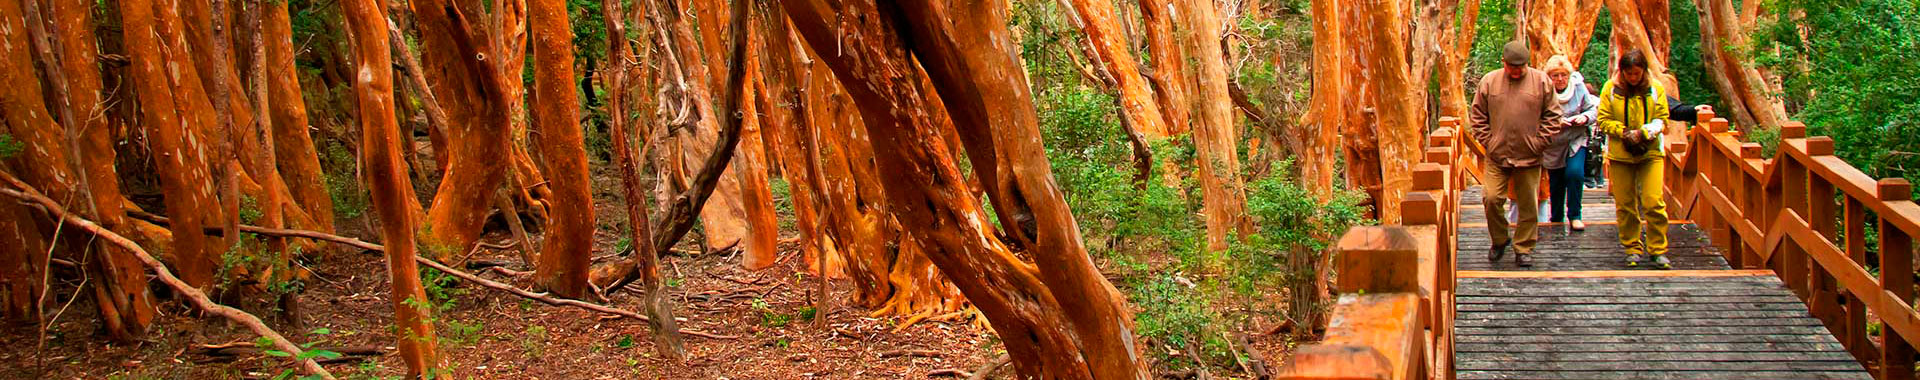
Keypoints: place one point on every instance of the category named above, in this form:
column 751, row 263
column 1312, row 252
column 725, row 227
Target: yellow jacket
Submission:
column 1619, row 114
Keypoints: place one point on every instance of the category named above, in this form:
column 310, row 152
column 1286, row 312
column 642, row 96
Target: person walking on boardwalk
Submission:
column 1566, row 156
column 1633, row 114
column 1514, row 115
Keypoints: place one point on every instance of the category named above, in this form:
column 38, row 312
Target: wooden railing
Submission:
column 1804, row 213
column 1394, row 317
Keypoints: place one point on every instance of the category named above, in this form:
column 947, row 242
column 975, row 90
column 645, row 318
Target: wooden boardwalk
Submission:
column 1579, row 313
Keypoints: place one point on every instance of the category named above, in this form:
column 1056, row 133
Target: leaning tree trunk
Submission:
column 760, row 245
column 390, row 185
column 984, row 85
column 1169, row 79
column 724, row 220
column 654, row 301
column 157, row 51
column 1215, row 136
column 1109, row 50
column 563, row 263
column 930, row 197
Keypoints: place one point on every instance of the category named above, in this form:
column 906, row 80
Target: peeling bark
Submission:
column 155, row 46
column 298, row 161
column 476, row 102
column 1216, row 135
column 1397, row 100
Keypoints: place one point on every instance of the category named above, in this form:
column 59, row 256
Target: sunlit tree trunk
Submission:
column 760, row 245
column 1325, row 114
column 390, row 185
column 1631, row 32
column 1560, row 27
column 789, row 136
column 1168, row 77
column 563, row 263
column 1361, row 141
column 1097, row 21
column 1215, row 134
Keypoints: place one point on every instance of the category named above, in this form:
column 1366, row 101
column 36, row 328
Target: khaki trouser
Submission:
column 1525, row 184
column 1638, row 195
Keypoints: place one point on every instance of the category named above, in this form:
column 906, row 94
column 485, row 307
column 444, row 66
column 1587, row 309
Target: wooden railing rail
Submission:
column 1394, row 317
column 1804, row 213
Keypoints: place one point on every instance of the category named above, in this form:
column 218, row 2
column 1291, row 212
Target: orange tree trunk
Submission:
column 1560, row 27
column 476, row 103
column 1395, row 98
column 978, row 76
column 1109, row 49
column 724, row 219
column 1169, row 80
column 390, row 185
column 788, row 136
column 293, row 150
column 929, row 195
column 125, row 304
column 1741, row 86
column 1215, row 132
column 563, row 264
column 24, row 118
column 1362, row 145
column 1629, row 32
column 1456, row 49
column 666, row 335
column 756, row 195
column 155, row 50
column 1330, row 90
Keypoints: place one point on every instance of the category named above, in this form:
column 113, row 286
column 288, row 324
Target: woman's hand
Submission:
column 1635, row 136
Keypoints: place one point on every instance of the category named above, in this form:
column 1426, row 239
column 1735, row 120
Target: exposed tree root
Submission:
column 27, row 193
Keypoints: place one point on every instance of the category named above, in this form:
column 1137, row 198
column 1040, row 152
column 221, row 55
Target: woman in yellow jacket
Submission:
column 1633, row 112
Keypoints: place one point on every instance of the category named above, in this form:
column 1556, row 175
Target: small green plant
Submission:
column 625, row 341
column 249, row 210
column 307, row 352
column 9, row 147
column 534, row 341
column 768, row 317
column 807, row 313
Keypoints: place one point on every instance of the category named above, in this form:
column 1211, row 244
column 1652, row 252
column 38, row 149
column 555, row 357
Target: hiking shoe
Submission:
column 1578, row 225
column 1660, row 261
column 1633, row 260
column 1524, row 260
column 1497, row 252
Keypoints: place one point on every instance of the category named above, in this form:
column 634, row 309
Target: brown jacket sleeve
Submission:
column 1477, row 115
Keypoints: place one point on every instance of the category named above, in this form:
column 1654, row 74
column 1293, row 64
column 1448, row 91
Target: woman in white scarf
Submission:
column 1566, row 157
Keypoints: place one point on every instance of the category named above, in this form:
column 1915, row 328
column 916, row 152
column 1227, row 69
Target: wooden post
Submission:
column 1791, row 195
column 1896, row 277
column 1376, row 259
column 1856, row 338
column 1821, row 213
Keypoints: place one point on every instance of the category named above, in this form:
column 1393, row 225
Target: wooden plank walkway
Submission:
column 1579, row 313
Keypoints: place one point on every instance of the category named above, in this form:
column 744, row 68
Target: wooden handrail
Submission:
column 1802, row 214
column 1394, row 317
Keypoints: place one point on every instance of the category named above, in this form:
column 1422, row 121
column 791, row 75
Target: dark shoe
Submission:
column 1524, row 260
column 1496, row 253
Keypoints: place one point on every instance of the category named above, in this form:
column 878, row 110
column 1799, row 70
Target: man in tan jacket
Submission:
column 1513, row 115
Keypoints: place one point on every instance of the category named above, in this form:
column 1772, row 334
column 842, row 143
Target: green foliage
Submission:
column 249, row 210
column 769, row 317
column 307, row 352
column 1852, row 76
column 350, row 200
column 533, row 341
column 8, row 147
column 782, row 201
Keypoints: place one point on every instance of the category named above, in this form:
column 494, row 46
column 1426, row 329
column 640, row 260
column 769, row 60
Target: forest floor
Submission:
column 493, row 335
column 489, row 334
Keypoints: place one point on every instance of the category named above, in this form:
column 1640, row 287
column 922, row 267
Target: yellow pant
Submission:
column 1525, row 184
column 1638, row 196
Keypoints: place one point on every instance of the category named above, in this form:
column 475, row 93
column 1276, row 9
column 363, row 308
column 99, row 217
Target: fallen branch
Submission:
column 371, row 247
column 551, row 300
column 27, row 193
